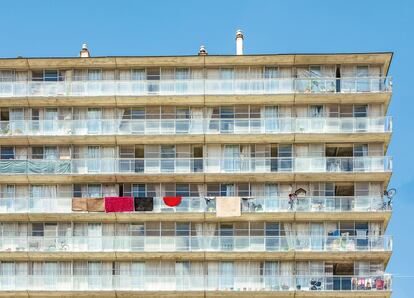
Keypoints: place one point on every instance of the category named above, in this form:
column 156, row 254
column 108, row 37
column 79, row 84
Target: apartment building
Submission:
column 195, row 176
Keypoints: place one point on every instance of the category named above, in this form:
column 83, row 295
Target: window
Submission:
column 51, row 76
column 272, row 229
column 226, row 112
column 37, row 152
column 7, row 153
column 4, row 114
column 138, row 190
column 37, row 229
column 361, row 150
column 285, row 150
column 153, row 74
column 77, row 190
column 227, row 73
column 182, row 229
column 360, row 111
column 270, row 72
column 183, row 190
column 138, row 113
column 45, row 75
column 362, row 71
column 94, row 190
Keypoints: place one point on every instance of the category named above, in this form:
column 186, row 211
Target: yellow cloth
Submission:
column 228, row 206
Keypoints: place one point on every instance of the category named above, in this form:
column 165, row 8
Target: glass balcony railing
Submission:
column 194, row 126
column 196, row 204
column 196, row 165
column 196, row 243
column 195, row 282
column 195, row 87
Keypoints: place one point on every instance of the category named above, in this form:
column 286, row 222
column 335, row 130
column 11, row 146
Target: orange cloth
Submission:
column 79, row 204
column 95, row 204
column 228, row 206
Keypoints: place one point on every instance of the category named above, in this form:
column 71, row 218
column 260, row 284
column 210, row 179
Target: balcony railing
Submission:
column 194, row 87
column 196, row 204
column 196, row 165
column 186, row 282
column 196, row 243
column 194, row 126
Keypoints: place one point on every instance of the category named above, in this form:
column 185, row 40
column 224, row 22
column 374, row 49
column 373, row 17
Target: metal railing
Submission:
column 194, row 87
column 196, row 165
column 194, row 126
column 197, row 204
column 193, row 282
column 195, row 243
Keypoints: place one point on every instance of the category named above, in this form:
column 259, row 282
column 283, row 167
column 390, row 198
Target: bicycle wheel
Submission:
column 391, row 193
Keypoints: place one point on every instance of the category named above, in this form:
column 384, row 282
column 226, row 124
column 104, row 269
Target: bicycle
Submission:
column 389, row 194
column 63, row 246
column 293, row 197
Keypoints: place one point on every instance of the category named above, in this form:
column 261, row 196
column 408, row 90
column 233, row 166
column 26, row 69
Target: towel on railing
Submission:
column 79, row 204
column 95, row 204
column 228, row 206
column 172, row 201
column 143, row 203
column 119, row 204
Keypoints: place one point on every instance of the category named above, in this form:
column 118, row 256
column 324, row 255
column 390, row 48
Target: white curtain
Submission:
column 209, row 233
column 270, row 119
column 211, row 125
column 197, row 124
column 302, row 232
column 375, row 193
column 197, row 276
column 302, row 272
column 226, row 277
column 213, row 158
column 213, row 276
column 348, row 75
column 245, row 158
column 290, row 235
column 286, row 272
column 286, row 81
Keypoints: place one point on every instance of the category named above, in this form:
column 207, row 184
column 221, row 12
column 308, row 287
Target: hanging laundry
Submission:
column 119, row 204
column 95, row 204
column 143, row 203
column 228, row 206
column 172, row 201
column 79, row 204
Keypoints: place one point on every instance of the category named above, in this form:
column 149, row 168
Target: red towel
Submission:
column 119, row 204
column 172, row 201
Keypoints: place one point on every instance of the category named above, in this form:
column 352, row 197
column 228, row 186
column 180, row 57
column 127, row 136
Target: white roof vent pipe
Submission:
column 239, row 42
column 84, row 53
column 202, row 51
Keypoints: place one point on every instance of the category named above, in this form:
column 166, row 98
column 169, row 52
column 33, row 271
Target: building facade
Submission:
column 195, row 176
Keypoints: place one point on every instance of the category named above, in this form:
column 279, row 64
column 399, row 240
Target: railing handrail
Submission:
column 24, row 158
column 203, row 119
column 196, row 282
column 174, row 79
column 195, row 86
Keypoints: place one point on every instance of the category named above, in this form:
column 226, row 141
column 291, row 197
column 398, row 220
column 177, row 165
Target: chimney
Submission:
column 239, row 42
column 202, row 51
column 84, row 53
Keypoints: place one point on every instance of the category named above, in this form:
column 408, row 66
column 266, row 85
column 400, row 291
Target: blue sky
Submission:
column 58, row 28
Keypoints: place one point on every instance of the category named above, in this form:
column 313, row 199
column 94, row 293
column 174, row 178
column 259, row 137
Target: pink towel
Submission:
column 119, row 204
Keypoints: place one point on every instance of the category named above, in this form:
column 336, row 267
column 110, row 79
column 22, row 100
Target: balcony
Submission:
column 142, row 166
column 200, row 205
column 194, row 126
column 196, row 243
column 195, row 87
column 197, row 282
